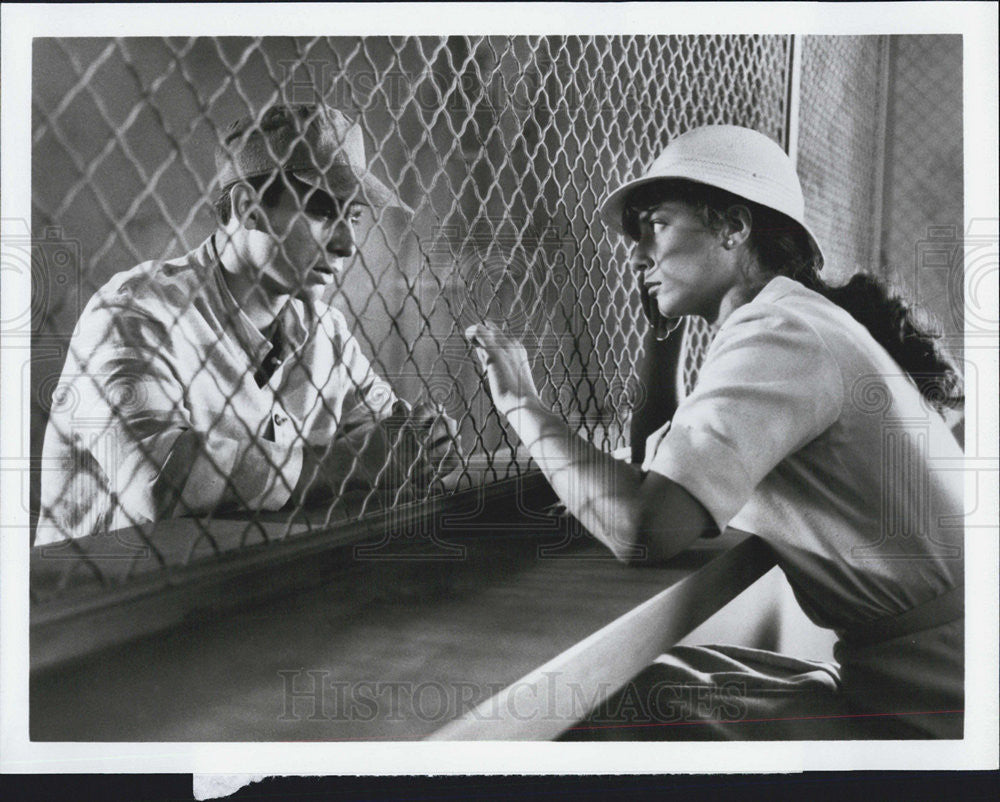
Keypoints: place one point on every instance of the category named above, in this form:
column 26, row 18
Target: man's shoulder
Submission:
column 156, row 287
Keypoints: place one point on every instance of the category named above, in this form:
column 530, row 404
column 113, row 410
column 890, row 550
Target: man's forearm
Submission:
column 161, row 471
column 370, row 455
column 328, row 470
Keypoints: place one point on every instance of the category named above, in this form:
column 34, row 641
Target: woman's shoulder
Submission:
column 784, row 310
column 785, row 304
column 785, row 296
column 807, row 326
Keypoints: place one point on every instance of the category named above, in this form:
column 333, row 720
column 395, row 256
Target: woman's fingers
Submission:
column 475, row 335
column 480, row 330
column 488, row 336
column 506, row 365
column 488, row 339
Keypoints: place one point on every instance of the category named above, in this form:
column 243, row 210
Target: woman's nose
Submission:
column 639, row 259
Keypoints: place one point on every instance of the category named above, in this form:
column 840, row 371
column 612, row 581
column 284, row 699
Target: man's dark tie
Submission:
column 273, row 358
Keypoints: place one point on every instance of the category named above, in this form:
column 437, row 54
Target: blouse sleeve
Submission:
column 769, row 386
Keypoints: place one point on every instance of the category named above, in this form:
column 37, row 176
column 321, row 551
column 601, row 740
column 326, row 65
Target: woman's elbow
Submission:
column 657, row 546
column 625, row 538
column 626, row 534
column 666, row 520
column 651, row 542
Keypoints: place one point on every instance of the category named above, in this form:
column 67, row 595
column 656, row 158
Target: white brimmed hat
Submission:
column 739, row 160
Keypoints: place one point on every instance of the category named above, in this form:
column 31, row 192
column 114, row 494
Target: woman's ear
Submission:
column 739, row 224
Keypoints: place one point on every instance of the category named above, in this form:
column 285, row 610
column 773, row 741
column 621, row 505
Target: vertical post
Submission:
column 792, row 98
column 882, row 133
column 660, row 394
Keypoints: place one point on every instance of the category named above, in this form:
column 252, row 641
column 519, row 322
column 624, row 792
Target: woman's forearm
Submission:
column 601, row 492
column 637, row 515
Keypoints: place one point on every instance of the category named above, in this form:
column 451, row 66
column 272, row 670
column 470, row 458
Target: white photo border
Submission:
column 977, row 22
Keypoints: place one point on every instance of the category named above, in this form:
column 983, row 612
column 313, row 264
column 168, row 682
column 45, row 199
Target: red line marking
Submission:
column 756, row 720
column 403, row 739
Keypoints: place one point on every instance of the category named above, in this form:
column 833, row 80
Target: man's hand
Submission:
column 419, row 444
column 437, row 434
column 352, row 461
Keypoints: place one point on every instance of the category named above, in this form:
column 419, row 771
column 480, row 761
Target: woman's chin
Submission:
column 677, row 309
column 667, row 309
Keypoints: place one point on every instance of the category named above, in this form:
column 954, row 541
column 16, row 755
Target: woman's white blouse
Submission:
column 803, row 430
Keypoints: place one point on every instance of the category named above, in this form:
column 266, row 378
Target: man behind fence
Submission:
column 222, row 380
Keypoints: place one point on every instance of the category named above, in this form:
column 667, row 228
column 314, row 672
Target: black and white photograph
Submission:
column 430, row 392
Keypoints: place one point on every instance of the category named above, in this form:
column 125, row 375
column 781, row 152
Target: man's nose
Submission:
column 342, row 241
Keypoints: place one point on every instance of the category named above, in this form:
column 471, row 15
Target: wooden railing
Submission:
column 141, row 580
column 546, row 702
column 203, row 650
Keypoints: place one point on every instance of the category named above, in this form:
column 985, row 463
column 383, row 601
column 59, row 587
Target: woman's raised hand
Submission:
column 507, row 368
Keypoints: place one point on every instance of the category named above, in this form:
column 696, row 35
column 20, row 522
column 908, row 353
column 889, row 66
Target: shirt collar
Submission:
column 778, row 287
column 294, row 317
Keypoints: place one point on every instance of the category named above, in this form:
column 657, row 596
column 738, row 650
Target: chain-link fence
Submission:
column 923, row 199
column 841, row 120
column 501, row 146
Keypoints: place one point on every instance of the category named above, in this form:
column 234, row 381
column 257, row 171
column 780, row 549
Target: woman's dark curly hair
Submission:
column 781, row 247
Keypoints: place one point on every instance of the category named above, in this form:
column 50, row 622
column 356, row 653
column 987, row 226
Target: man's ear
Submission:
column 739, row 224
column 243, row 208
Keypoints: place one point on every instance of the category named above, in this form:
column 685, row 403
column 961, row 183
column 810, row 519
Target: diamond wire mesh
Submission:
column 881, row 159
column 839, row 148
column 923, row 210
column 698, row 336
column 502, row 146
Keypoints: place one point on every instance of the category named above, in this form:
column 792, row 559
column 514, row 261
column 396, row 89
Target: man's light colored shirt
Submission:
column 158, row 414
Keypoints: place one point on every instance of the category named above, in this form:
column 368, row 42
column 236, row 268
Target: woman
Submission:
column 814, row 423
